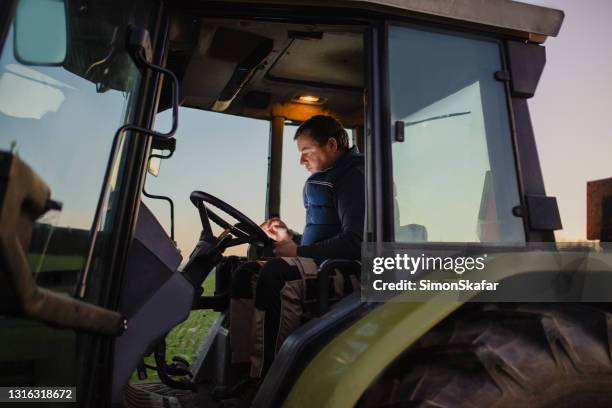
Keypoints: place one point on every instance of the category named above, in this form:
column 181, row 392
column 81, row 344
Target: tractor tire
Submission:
column 505, row 355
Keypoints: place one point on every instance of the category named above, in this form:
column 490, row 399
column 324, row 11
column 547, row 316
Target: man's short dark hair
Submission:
column 322, row 128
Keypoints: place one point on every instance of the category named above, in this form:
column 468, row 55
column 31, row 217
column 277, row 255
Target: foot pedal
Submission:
column 155, row 395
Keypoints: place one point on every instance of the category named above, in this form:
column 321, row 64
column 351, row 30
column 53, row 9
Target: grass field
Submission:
column 185, row 338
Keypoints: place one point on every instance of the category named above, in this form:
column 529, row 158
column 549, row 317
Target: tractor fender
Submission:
column 351, row 362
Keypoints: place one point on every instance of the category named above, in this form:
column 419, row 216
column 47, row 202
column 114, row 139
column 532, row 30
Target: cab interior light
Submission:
column 311, row 99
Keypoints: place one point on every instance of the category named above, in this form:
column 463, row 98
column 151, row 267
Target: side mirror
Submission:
column 157, row 146
column 40, row 32
column 154, row 163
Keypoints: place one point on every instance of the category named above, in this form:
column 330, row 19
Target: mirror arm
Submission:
column 170, row 202
column 162, row 197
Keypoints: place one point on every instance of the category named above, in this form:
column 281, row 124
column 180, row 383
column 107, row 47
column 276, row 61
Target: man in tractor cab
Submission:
column 334, row 197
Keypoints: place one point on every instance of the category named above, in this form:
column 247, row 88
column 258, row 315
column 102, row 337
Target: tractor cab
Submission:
column 143, row 143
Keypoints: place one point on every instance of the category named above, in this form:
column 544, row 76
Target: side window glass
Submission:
column 61, row 120
column 454, row 174
column 224, row 155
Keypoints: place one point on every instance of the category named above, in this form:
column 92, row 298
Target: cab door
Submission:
column 452, row 175
column 59, row 116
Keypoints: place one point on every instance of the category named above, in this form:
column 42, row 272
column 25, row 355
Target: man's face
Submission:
column 314, row 156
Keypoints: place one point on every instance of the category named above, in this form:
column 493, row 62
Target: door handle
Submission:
column 399, row 131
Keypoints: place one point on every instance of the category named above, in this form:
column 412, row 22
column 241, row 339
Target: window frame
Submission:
column 7, row 12
column 98, row 350
column 129, row 181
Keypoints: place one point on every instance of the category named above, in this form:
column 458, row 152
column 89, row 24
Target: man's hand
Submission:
column 277, row 230
column 285, row 248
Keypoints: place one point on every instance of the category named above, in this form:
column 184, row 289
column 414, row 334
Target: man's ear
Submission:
column 332, row 144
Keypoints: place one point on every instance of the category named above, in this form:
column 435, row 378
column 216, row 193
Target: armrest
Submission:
column 346, row 266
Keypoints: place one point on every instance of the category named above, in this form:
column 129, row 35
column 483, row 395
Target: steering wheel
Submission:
column 245, row 231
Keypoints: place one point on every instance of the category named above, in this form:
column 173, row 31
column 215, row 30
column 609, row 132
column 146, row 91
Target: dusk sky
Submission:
column 572, row 108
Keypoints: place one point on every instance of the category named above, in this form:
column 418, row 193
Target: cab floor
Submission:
column 157, row 395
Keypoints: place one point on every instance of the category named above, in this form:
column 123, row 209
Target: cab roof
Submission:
column 262, row 68
column 532, row 22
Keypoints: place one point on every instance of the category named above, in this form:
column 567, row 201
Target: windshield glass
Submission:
column 61, row 120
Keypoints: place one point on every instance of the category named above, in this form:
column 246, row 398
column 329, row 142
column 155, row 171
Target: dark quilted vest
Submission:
column 322, row 219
